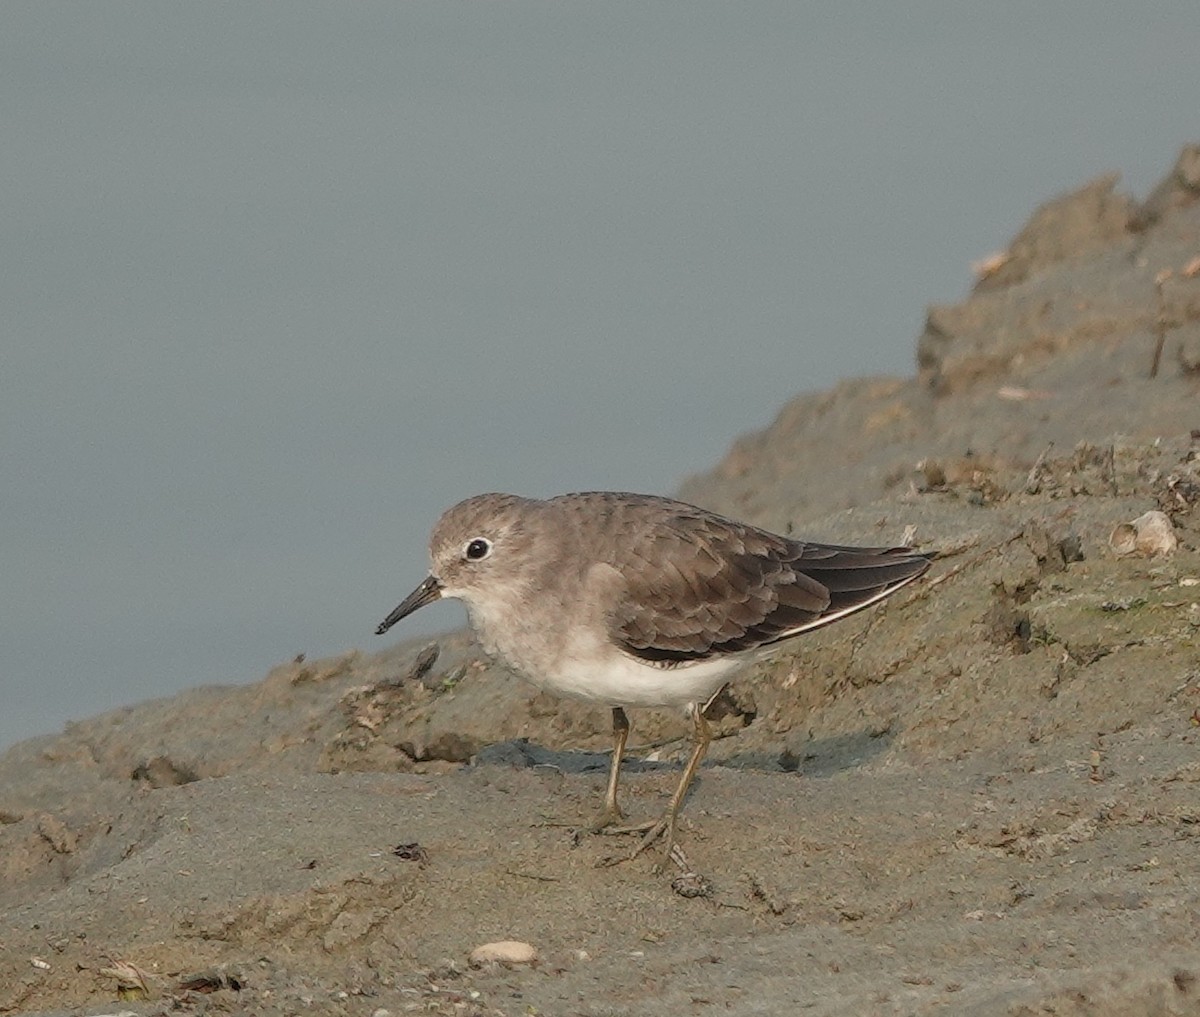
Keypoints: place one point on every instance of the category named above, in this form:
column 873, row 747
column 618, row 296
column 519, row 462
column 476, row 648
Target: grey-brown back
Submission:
column 698, row 585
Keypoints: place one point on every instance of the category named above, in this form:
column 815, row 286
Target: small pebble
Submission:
column 1149, row 534
column 507, row 951
column 692, row 884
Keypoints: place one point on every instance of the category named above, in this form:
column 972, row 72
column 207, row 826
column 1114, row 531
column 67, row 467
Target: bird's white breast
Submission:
column 578, row 660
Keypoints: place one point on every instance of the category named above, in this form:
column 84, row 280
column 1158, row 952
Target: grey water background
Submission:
column 281, row 282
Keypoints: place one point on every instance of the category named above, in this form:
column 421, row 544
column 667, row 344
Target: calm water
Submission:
column 282, row 282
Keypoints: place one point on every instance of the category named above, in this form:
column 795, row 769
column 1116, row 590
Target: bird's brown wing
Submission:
column 703, row 585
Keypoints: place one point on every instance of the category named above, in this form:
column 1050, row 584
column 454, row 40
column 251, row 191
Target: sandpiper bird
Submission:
column 634, row 600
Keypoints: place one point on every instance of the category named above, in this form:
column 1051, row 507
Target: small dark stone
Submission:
column 411, row 853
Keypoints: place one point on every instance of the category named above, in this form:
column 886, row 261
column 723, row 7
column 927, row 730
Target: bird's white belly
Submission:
column 621, row 680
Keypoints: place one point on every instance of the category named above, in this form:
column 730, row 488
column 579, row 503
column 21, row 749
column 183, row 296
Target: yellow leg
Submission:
column 702, row 735
column 611, row 814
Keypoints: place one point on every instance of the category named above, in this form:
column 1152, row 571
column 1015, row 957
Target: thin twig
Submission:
column 1160, row 322
column 1033, row 482
column 1110, row 466
column 532, row 875
column 925, row 589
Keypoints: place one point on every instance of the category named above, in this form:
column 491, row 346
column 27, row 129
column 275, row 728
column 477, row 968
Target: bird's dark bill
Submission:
column 426, row 593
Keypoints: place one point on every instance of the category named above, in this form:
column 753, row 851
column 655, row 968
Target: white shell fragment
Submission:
column 507, row 951
column 1149, row 534
column 1123, row 538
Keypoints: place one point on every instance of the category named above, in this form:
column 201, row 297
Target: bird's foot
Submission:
column 609, row 820
column 652, row 832
column 616, row 826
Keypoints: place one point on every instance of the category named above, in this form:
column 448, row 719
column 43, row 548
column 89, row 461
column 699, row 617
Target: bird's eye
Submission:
column 477, row 549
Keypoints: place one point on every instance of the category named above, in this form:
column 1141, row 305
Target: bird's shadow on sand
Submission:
column 820, row 757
